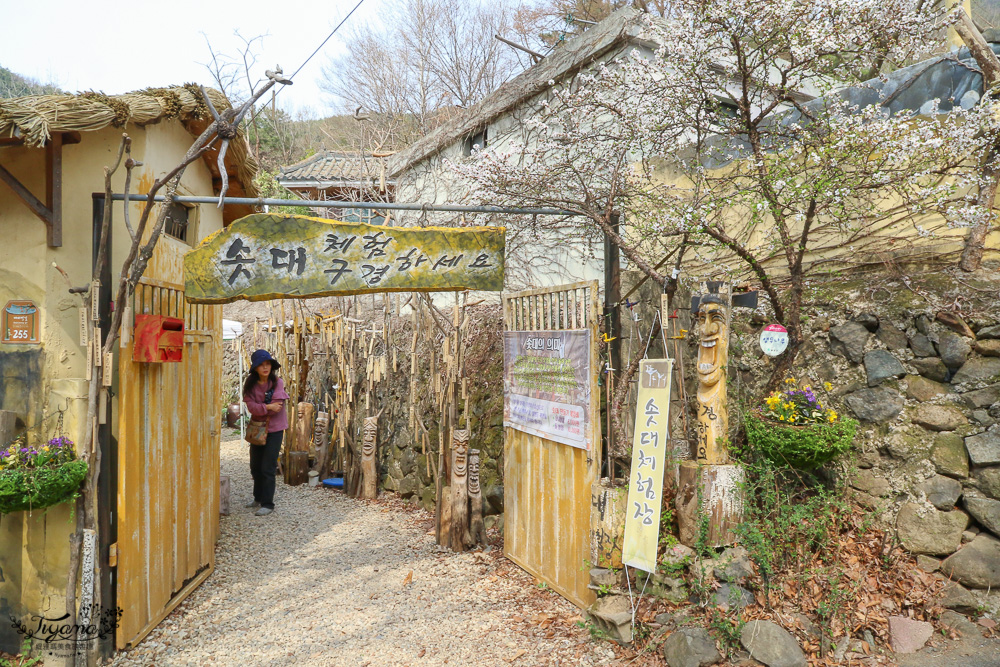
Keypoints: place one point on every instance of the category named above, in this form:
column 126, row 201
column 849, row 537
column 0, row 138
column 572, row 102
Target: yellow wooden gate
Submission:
column 547, row 485
column 168, row 464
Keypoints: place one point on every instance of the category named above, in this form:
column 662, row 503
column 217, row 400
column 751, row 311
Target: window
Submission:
column 476, row 141
column 178, row 221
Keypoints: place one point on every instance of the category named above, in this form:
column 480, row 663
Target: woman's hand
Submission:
column 273, row 407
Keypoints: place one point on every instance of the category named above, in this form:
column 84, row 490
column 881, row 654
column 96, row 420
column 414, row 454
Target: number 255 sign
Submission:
column 20, row 322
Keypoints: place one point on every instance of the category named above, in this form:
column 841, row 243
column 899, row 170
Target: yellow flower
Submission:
column 790, row 381
column 827, row 386
column 831, row 416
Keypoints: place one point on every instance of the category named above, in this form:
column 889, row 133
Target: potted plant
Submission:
column 792, row 427
column 33, row 478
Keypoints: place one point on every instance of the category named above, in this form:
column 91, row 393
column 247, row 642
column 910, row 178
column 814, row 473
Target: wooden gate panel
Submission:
column 168, row 492
column 547, row 485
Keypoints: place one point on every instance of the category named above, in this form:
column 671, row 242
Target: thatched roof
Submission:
column 34, row 118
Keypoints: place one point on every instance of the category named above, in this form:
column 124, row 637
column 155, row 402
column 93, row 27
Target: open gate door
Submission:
column 168, row 462
column 547, row 483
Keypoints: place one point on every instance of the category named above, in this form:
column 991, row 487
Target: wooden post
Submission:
column 298, row 468
column 459, row 490
column 321, row 443
column 444, row 522
column 477, row 529
column 303, row 428
column 369, row 470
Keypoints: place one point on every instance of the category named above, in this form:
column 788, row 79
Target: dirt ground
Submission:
column 327, row 580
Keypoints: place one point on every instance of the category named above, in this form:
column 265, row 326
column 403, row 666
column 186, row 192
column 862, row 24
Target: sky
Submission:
column 115, row 47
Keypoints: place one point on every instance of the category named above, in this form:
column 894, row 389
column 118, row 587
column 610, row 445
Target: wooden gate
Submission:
column 547, row 485
column 168, row 463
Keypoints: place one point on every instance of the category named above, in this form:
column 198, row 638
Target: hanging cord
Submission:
column 649, row 338
column 635, row 604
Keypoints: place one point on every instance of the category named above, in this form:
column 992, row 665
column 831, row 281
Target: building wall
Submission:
column 45, row 384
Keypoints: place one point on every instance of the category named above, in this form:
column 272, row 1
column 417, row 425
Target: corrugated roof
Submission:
column 622, row 26
column 331, row 168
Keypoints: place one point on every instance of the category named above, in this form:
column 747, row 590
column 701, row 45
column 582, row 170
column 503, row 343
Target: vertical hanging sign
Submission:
column 649, row 447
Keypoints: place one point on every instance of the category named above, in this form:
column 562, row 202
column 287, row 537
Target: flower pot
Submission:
column 37, row 488
column 804, row 446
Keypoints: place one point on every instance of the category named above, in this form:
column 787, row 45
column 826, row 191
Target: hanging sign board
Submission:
column 546, row 384
column 20, row 322
column 649, row 448
column 264, row 256
column 773, row 339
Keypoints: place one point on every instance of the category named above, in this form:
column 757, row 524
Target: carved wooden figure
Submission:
column 713, row 357
column 369, row 469
column 459, row 490
column 321, row 443
column 303, row 427
column 477, row 528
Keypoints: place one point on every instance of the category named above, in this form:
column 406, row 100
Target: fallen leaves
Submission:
column 409, row 579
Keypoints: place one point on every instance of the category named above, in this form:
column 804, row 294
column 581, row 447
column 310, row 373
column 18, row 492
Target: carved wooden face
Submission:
column 368, row 437
column 474, row 471
column 713, row 350
column 460, row 447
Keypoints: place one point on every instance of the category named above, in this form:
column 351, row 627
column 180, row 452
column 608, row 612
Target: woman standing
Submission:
column 265, row 396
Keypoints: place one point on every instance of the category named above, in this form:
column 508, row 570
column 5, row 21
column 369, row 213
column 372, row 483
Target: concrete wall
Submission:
column 45, row 384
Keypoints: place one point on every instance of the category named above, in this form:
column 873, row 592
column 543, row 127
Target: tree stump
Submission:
column 298, row 468
column 718, row 504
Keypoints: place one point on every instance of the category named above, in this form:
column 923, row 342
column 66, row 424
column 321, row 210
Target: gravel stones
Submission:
column 986, row 511
column 907, row 635
column 953, row 349
column 932, row 368
column 922, row 389
column 926, row 530
column 984, row 448
column 690, row 647
column 849, row 340
column 768, row 643
column 878, row 404
column 977, row 369
column 942, row 492
column 977, row 565
column 880, row 365
column 938, row 417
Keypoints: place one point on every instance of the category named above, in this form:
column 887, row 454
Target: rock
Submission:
column 923, row 324
column 977, row 368
column 932, row 368
column 953, row 349
column 921, row 389
column 955, row 323
column 600, row 576
column 907, row 635
column 868, row 321
column 949, row 455
column 408, row 461
column 912, row 444
column 613, row 614
column 982, row 398
column 733, row 565
column 676, row 558
column 849, row 340
column 925, row 530
column 986, row 511
column 427, row 499
column 807, row 626
column 875, row 405
column 732, row 596
column 922, row 346
column 984, row 448
column 977, row 564
column 770, row 644
column 690, row 647
column 988, row 333
column 982, row 417
column 928, row 564
column 952, row 620
column 409, row 486
column 891, row 337
column 987, row 348
column 988, row 480
column 938, row 417
column 880, row 365
column 957, row 597
column 942, row 492
column 494, row 500
column 870, row 483
column 672, row 589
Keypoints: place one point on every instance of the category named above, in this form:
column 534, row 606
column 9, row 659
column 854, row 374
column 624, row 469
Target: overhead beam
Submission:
column 49, row 212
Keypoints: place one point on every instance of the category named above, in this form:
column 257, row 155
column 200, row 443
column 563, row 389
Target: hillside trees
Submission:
column 722, row 141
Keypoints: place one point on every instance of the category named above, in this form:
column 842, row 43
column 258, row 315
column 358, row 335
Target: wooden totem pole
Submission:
column 321, row 443
column 369, row 468
column 711, row 484
column 477, row 528
column 459, row 490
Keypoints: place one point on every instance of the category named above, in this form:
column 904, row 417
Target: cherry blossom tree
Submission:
column 737, row 140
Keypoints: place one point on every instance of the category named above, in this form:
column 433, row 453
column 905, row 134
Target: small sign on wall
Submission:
column 20, row 322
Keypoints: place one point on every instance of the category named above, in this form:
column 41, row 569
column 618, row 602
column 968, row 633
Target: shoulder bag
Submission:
column 256, row 433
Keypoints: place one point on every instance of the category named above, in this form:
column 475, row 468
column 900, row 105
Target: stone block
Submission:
column 849, row 340
column 931, row 368
column 949, row 455
column 982, row 398
column 942, row 492
column 922, row 389
column 881, row 365
column 925, row 530
column 922, row 346
column 986, row 511
column 770, row 644
column 879, row 404
column 690, row 647
column 977, row 564
column 891, row 337
column 613, row 614
column 987, row 348
column 988, row 481
column 977, row 369
column 984, row 448
column 953, row 349
column 907, row 635
column 938, row 417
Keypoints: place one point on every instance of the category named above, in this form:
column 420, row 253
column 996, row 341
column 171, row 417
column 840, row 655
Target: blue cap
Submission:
column 259, row 357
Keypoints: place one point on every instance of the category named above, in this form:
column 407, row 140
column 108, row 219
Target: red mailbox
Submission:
column 158, row 338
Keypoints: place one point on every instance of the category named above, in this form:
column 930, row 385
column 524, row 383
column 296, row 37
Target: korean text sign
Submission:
column 265, row 256
column 649, row 447
column 547, row 384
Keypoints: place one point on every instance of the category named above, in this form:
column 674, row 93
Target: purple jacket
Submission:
column 255, row 404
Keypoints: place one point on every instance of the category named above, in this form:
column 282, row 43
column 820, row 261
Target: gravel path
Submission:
column 327, row 580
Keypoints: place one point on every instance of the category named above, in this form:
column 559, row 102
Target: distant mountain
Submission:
column 15, row 85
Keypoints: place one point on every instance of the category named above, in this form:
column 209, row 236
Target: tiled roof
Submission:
column 332, row 168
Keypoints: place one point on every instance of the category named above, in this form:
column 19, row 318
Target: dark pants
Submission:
column 264, row 467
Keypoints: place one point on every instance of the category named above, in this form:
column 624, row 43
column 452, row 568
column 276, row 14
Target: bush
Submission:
column 33, row 479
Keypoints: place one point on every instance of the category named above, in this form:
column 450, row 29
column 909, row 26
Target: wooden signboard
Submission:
column 269, row 256
column 20, row 322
